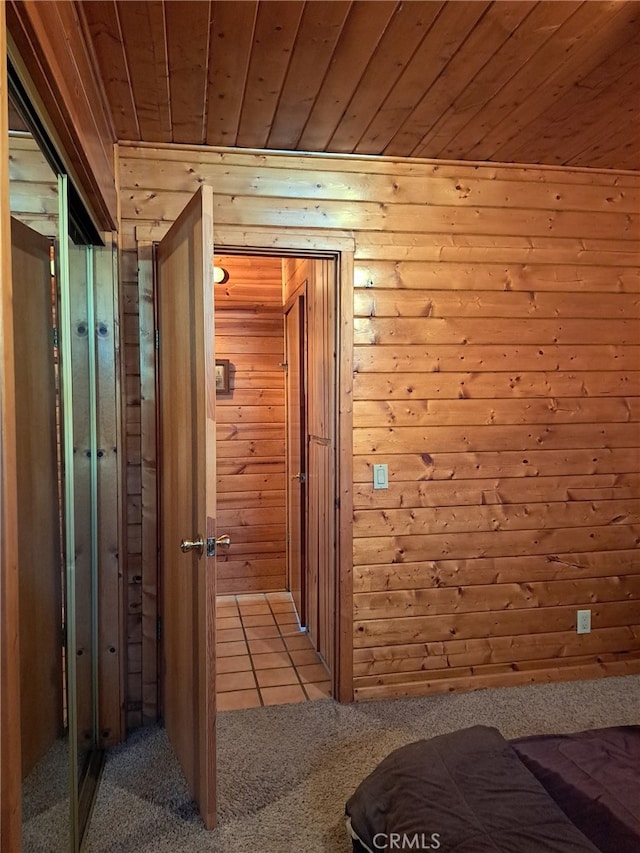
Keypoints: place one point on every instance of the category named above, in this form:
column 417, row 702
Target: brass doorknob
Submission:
column 223, row 541
column 192, row 545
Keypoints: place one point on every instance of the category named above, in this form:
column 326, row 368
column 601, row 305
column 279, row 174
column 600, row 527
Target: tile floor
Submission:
column 263, row 657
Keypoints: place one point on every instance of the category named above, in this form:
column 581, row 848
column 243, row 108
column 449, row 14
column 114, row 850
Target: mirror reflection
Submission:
column 54, row 348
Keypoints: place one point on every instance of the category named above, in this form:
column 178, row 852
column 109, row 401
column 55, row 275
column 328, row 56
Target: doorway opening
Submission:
column 275, row 339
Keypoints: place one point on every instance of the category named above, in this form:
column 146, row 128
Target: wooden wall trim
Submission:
column 290, row 241
column 574, row 670
column 10, row 751
column 51, row 42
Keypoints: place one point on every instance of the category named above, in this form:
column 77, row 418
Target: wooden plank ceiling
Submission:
column 529, row 82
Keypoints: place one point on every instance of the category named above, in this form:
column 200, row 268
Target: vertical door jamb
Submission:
column 10, row 758
column 294, row 318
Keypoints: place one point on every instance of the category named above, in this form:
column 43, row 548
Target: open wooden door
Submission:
column 188, row 494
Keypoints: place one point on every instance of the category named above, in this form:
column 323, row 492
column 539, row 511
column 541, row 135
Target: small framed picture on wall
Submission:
column 222, row 376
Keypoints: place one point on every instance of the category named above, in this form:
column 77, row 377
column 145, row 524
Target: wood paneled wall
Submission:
column 251, row 426
column 138, row 347
column 496, row 355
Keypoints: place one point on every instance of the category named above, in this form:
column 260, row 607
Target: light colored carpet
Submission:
column 285, row 772
column 45, row 802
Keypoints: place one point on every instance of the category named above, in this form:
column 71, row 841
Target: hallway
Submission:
column 263, row 657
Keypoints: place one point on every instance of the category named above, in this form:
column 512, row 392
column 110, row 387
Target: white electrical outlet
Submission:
column 583, row 622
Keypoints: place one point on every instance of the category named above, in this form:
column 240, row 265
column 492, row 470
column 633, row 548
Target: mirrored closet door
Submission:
column 57, row 443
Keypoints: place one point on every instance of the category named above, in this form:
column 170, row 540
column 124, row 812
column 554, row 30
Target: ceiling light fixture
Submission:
column 220, row 275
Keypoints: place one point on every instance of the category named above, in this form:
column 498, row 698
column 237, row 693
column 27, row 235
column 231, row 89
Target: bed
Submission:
column 472, row 791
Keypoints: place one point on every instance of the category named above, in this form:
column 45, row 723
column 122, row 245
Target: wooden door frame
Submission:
column 10, row 758
column 240, row 239
column 229, row 240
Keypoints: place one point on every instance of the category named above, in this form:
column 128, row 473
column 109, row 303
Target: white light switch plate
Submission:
column 380, row 477
column 583, row 622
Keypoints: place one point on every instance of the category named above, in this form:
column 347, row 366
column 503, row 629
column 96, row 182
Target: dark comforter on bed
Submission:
column 594, row 777
column 472, row 791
